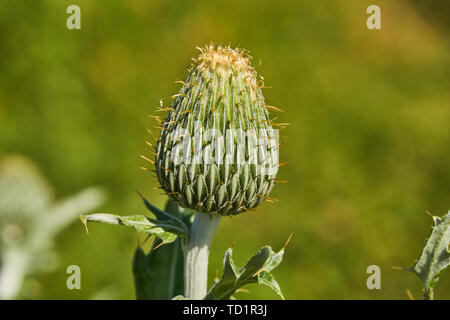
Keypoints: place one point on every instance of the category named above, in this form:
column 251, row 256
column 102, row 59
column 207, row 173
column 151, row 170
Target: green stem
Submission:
column 428, row 294
column 196, row 259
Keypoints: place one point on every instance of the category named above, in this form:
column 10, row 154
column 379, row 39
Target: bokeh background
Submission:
column 368, row 144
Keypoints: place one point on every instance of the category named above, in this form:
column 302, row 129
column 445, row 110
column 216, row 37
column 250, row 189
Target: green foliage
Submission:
column 139, row 223
column 167, row 227
column 435, row 256
column 257, row 270
column 159, row 275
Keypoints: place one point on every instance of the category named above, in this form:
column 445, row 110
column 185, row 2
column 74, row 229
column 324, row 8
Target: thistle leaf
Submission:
column 167, row 226
column 165, row 231
column 256, row 270
column 267, row 279
column 159, row 275
column 435, row 256
column 166, row 215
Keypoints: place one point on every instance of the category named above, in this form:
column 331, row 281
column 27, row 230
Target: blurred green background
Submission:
column 368, row 144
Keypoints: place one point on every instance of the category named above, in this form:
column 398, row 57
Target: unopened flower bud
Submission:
column 217, row 152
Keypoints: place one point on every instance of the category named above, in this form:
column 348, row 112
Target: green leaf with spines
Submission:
column 140, row 223
column 159, row 275
column 166, row 226
column 172, row 213
column 435, row 256
column 256, row 270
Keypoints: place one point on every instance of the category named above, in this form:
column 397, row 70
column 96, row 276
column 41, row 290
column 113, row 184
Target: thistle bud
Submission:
column 217, row 152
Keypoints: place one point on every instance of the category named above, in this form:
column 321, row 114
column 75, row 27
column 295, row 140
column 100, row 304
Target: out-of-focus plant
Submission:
column 30, row 219
column 435, row 256
column 216, row 155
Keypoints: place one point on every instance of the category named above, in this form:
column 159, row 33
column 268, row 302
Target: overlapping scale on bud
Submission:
column 217, row 152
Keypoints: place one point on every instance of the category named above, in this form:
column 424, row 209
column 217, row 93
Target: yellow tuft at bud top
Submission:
column 217, row 152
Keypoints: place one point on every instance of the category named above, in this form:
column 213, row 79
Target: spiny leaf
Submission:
column 256, row 270
column 435, row 256
column 267, row 279
column 140, row 223
column 162, row 215
column 159, row 274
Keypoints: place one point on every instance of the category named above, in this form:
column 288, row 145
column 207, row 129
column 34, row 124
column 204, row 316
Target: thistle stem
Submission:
column 428, row 294
column 196, row 259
